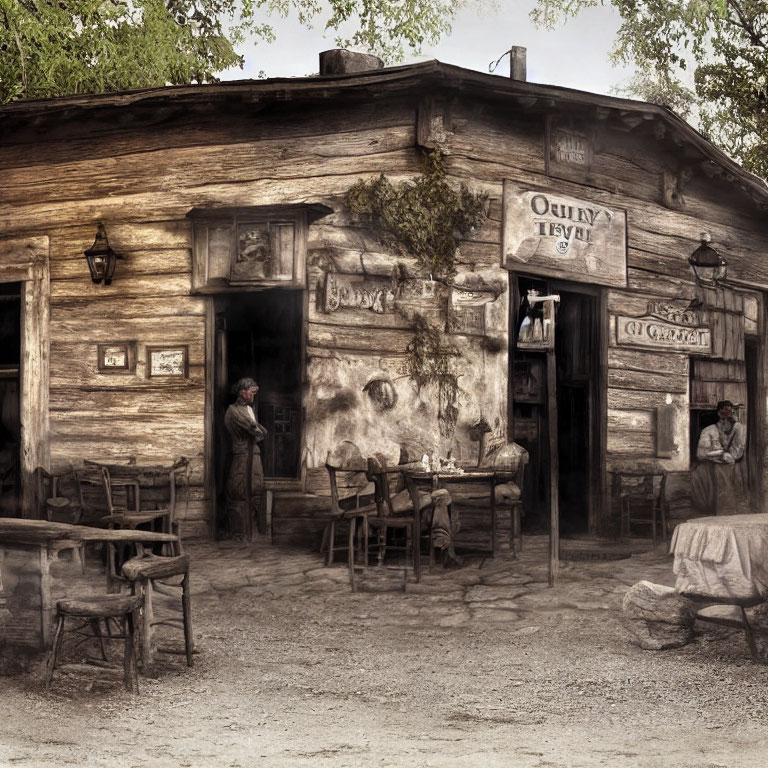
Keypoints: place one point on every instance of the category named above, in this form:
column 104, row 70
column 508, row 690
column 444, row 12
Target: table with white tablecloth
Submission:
column 723, row 560
column 722, row 557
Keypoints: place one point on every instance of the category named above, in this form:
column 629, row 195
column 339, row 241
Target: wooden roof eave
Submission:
column 382, row 82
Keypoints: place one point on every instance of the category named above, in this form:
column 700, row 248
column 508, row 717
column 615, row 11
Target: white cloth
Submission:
column 714, row 443
column 722, row 557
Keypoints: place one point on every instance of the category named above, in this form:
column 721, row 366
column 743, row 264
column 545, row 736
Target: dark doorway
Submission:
column 259, row 334
column 576, row 373
column 10, row 420
column 577, row 351
column 754, row 419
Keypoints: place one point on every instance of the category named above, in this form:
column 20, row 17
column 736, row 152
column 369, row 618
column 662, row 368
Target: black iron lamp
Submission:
column 708, row 265
column 101, row 258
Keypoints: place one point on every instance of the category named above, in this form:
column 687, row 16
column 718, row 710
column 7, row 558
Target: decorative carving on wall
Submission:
column 653, row 333
column 469, row 320
column 382, row 392
column 468, row 307
column 675, row 312
column 254, row 253
column 361, row 292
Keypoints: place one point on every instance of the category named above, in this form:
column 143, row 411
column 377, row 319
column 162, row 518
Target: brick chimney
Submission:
column 339, row 61
column 517, row 67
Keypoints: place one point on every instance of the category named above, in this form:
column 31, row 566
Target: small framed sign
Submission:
column 116, row 357
column 168, row 361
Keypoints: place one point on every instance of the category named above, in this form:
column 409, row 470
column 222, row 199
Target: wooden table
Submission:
column 723, row 560
column 49, row 538
column 438, row 477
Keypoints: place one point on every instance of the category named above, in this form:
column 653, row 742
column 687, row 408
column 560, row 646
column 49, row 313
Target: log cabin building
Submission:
column 238, row 254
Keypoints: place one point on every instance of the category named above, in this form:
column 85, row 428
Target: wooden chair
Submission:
column 508, row 489
column 59, row 500
column 131, row 513
column 98, row 494
column 396, row 512
column 703, row 612
column 345, row 463
column 508, row 461
column 640, row 495
column 90, row 612
column 148, row 573
column 675, row 501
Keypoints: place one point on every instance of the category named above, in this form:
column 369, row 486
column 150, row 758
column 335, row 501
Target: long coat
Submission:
column 246, row 476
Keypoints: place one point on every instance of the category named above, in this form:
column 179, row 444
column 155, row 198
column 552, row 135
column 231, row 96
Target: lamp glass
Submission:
column 101, row 258
column 708, row 265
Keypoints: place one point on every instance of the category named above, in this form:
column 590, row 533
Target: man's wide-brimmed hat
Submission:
column 725, row 404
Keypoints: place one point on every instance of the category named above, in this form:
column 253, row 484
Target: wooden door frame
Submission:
column 597, row 496
column 211, row 490
column 760, row 417
column 25, row 260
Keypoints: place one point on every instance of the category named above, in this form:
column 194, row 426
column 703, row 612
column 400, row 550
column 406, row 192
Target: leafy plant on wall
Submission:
column 423, row 218
column 429, row 361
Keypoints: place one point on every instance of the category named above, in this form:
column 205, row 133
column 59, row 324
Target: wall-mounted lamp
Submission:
column 708, row 265
column 101, row 258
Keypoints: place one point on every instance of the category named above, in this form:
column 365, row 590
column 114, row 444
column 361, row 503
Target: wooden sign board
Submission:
column 357, row 292
column 557, row 235
column 652, row 333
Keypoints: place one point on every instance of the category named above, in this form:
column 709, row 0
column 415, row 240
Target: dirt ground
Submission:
column 479, row 666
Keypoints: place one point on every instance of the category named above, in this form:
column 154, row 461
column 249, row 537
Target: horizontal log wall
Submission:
column 142, row 182
column 628, row 172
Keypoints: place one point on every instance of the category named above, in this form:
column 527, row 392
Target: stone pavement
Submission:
column 505, row 589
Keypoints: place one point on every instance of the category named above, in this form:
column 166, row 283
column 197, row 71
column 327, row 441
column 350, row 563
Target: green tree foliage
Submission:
column 59, row 47
column 723, row 43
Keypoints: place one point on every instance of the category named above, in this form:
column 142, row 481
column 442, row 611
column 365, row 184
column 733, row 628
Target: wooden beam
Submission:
column 554, row 469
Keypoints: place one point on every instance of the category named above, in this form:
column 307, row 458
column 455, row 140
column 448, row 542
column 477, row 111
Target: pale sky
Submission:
column 574, row 55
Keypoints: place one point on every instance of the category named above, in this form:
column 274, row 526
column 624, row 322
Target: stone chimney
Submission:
column 517, row 68
column 339, row 61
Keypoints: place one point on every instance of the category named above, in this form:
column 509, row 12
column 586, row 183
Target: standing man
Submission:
column 246, row 476
column 718, row 482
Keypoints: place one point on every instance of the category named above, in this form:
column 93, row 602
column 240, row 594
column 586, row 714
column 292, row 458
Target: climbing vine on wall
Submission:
column 430, row 361
column 421, row 218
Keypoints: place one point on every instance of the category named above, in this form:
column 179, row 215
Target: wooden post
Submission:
column 554, row 468
column 46, row 602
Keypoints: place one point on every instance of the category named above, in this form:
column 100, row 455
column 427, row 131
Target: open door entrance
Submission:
column 577, row 352
column 10, row 419
column 259, row 334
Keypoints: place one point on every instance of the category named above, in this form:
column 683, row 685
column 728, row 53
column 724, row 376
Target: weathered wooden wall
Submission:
column 142, row 181
column 629, row 171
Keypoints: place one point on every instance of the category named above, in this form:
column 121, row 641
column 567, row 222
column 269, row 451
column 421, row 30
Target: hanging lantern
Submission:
column 708, row 265
column 101, row 258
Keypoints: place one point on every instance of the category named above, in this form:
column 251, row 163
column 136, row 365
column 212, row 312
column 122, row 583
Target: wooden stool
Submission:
column 146, row 574
column 90, row 611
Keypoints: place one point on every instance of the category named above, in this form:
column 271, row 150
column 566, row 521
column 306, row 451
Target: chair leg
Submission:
column 130, row 671
column 517, row 537
column 146, row 629
column 54, row 651
column 186, row 604
column 382, row 540
column 96, row 627
column 351, row 552
column 330, row 531
column 111, row 567
column 749, row 635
